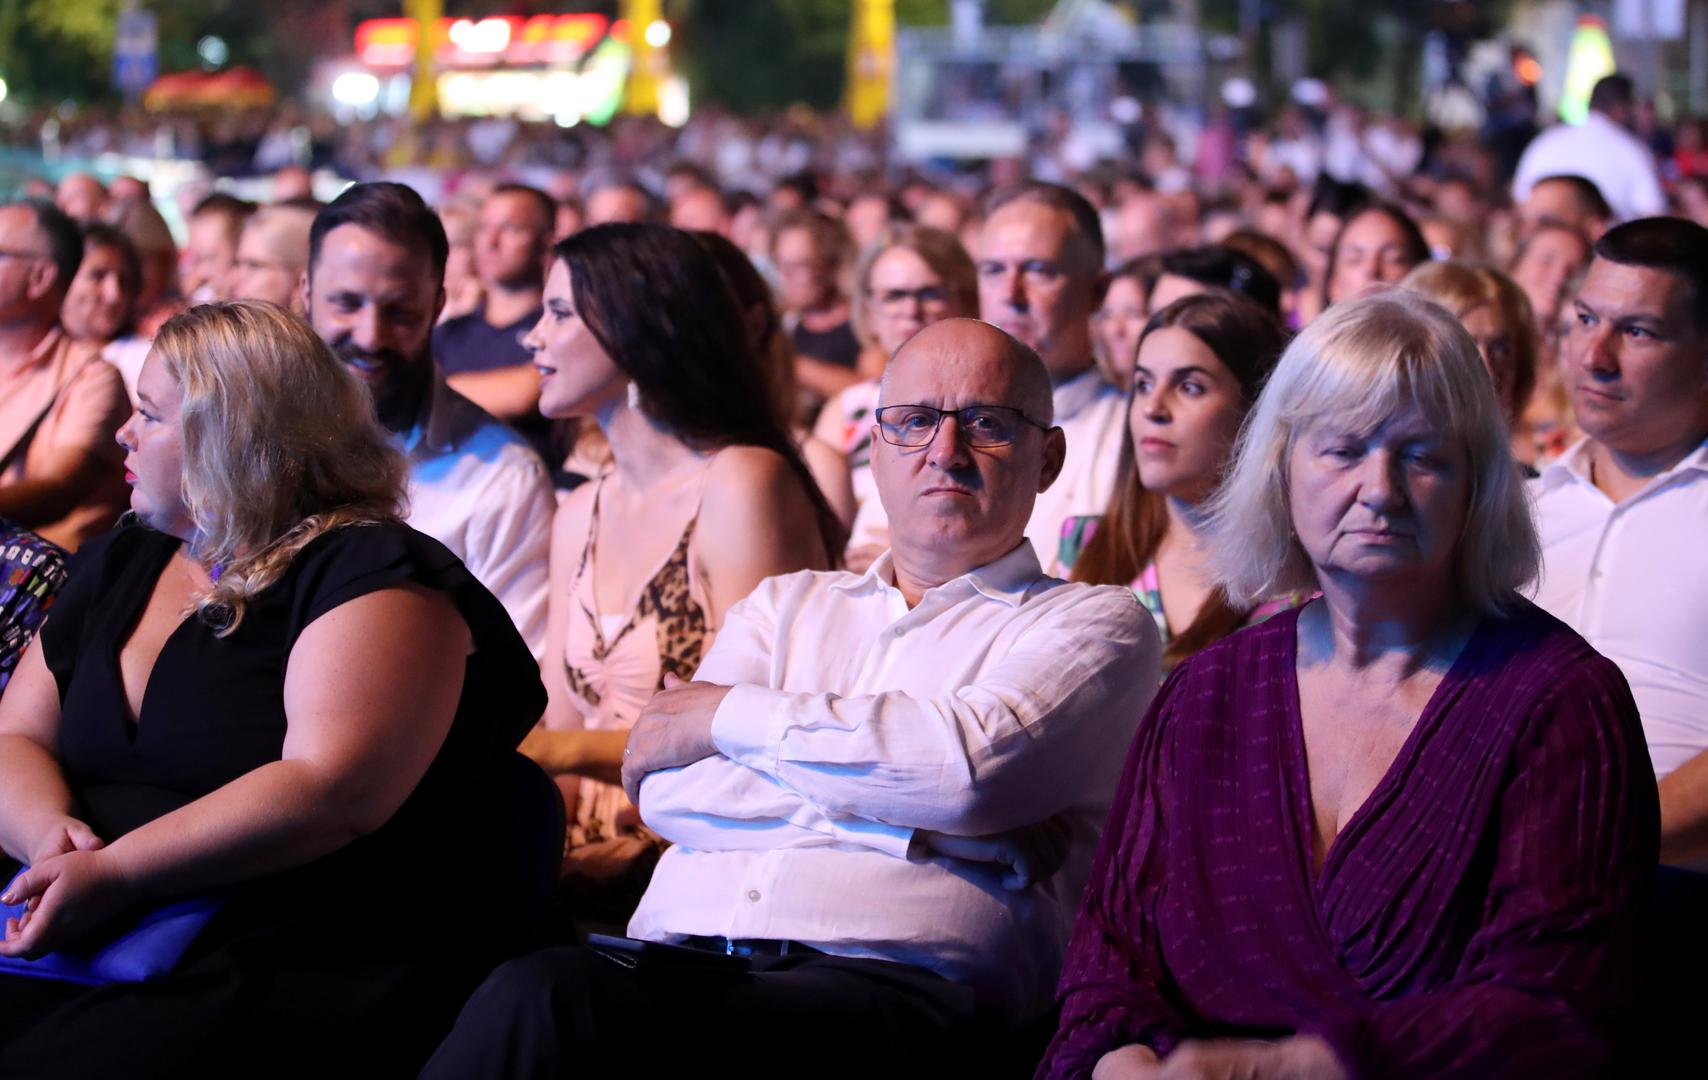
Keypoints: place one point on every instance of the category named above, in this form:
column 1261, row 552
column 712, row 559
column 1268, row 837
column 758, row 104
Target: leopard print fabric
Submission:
column 681, row 621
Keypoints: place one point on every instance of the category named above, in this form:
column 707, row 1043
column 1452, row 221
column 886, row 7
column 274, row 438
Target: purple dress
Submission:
column 1478, row 915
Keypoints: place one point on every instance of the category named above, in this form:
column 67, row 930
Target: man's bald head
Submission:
column 968, row 343
column 954, row 506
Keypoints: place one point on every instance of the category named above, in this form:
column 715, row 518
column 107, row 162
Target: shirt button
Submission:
column 753, row 895
column 897, row 632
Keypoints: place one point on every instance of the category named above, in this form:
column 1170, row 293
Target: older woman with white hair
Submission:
column 270, row 690
column 1405, row 830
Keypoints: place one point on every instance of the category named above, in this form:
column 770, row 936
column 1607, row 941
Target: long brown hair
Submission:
column 1247, row 340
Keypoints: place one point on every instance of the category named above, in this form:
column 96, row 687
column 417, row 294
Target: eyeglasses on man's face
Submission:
column 982, row 426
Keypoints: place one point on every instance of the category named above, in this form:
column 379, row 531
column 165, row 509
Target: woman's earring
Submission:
column 634, row 396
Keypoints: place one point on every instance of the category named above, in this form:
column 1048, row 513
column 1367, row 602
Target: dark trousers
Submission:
column 573, row 1012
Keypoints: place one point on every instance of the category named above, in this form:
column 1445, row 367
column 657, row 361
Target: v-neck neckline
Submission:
column 133, row 719
column 1318, row 880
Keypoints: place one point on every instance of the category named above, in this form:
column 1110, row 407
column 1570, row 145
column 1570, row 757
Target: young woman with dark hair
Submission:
column 1377, row 243
column 707, row 495
column 1201, row 362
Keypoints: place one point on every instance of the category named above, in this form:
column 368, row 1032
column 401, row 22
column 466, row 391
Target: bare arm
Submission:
column 756, row 521
column 560, row 744
column 56, row 489
column 368, row 705
column 509, row 393
column 36, row 807
column 830, row 470
column 1684, row 811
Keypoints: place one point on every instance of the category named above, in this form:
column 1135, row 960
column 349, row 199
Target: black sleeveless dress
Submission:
column 375, row 945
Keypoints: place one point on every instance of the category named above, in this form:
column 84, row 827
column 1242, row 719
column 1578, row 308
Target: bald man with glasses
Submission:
column 883, row 789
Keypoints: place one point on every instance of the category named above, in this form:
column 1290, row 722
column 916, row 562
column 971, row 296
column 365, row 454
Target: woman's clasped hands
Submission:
column 70, row 889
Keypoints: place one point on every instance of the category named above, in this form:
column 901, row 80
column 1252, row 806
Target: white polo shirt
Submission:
column 1632, row 578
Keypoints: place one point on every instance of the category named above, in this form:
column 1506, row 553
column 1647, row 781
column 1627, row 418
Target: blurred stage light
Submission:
column 1239, row 93
column 658, row 33
column 3, row 90
column 213, row 51
column 355, row 88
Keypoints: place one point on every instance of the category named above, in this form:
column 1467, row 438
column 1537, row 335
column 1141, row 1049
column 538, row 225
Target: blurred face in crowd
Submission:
column 1496, row 343
column 903, row 296
column 82, row 197
column 1635, row 363
column 866, row 217
column 1186, row 409
column 616, row 204
column 1120, row 322
column 100, row 300
column 1554, row 202
column 370, row 301
column 577, row 375
column 808, row 275
column 153, row 439
column 128, row 187
column 1039, row 280
column 951, row 503
column 27, row 272
column 271, row 257
column 940, row 210
column 1372, row 251
column 210, row 251
column 1550, row 259
column 700, row 209
column 510, row 241
column 1387, row 504
column 1143, row 225
column 568, row 221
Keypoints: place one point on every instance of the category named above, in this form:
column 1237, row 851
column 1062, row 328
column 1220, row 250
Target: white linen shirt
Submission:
column 1632, row 578
column 1092, row 415
column 1616, row 161
column 1003, row 699
column 478, row 488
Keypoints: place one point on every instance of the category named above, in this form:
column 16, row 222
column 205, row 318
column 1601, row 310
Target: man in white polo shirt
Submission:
column 1623, row 514
column 883, row 789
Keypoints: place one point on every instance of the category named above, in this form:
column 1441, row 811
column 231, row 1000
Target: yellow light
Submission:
column 658, row 33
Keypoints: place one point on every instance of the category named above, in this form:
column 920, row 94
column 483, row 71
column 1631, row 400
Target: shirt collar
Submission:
column 1078, row 392
column 1007, row 579
column 436, row 428
column 1574, row 465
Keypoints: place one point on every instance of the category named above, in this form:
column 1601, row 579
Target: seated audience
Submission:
column 1405, row 830
column 1200, row 364
column 210, row 245
column 1493, row 310
column 764, row 323
column 375, row 282
column 272, row 254
column 707, row 495
column 100, row 308
column 1378, row 244
column 1566, row 201
column 160, row 298
column 481, row 353
column 81, row 197
column 911, row 277
column 1620, row 512
column 1040, row 264
column 882, row 788
column 1121, row 319
column 310, row 739
column 811, row 253
column 59, row 403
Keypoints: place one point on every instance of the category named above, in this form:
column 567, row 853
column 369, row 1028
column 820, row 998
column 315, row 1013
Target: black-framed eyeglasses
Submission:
column 981, row 425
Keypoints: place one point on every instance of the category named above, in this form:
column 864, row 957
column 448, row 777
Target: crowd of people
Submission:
column 1163, row 623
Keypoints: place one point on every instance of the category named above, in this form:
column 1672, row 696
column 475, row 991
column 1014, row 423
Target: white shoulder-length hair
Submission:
column 1359, row 363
